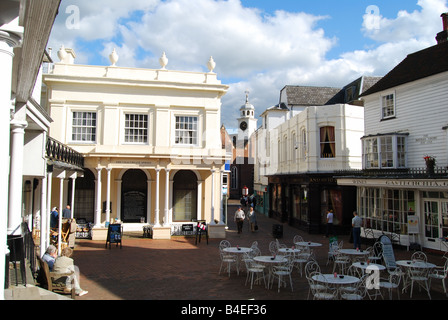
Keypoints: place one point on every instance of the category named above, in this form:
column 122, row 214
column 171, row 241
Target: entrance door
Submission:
column 436, row 223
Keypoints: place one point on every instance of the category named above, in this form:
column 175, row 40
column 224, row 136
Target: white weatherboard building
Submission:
column 151, row 144
column 400, row 193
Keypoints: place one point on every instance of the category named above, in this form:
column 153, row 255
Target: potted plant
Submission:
column 430, row 163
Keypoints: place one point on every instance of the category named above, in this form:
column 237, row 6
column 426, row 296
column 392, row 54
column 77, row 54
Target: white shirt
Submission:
column 330, row 217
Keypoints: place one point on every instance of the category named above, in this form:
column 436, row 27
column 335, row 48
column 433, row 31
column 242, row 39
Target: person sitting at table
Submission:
column 239, row 219
column 356, row 224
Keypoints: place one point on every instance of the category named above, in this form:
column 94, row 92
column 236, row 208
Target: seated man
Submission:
column 50, row 256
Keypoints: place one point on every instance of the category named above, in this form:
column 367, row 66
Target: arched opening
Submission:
column 185, row 195
column 84, row 207
column 134, row 196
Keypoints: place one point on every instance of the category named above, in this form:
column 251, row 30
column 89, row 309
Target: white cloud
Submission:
column 253, row 50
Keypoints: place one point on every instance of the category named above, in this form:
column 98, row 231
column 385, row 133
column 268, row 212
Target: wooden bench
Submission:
column 49, row 278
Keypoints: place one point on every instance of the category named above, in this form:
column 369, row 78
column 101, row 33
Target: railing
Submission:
column 58, row 151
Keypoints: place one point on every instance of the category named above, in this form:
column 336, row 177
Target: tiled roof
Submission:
column 319, row 96
column 418, row 65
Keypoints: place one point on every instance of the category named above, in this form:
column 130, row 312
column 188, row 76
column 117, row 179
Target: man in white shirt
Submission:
column 329, row 223
column 239, row 219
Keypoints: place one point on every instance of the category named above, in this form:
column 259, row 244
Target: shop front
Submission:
column 389, row 205
column 303, row 201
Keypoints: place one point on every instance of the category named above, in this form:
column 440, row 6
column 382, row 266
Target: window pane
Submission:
column 186, row 131
column 84, row 127
column 136, row 128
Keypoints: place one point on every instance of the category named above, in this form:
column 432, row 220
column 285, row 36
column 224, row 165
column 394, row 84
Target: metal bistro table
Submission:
column 238, row 252
column 335, row 281
column 412, row 264
column 354, row 254
column 270, row 261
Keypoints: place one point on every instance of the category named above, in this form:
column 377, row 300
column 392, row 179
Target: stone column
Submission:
column 72, row 211
column 212, row 218
column 16, row 177
column 97, row 222
column 108, row 170
column 156, row 210
column 166, row 221
column 118, row 198
column 43, row 216
column 148, row 202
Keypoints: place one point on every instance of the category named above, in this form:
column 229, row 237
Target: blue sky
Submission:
column 260, row 45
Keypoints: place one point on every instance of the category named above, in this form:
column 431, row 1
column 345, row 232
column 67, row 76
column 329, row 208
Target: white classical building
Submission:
column 151, row 144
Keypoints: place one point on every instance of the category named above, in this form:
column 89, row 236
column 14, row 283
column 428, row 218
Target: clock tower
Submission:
column 247, row 124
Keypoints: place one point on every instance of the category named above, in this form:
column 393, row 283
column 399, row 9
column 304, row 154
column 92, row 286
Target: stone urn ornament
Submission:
column 211, row 65
column 163, row 61
column 113, row 57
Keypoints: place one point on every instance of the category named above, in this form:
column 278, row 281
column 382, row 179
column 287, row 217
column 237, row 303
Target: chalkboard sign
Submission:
column 187, row 228
column 388, row 251
column 114, row 234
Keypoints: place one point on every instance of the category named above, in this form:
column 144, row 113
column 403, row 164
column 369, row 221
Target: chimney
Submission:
column 443, row 36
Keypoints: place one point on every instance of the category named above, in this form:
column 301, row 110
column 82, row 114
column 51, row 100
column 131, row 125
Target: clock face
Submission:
column 243, row 125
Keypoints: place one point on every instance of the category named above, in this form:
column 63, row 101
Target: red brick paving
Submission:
column 177, row 269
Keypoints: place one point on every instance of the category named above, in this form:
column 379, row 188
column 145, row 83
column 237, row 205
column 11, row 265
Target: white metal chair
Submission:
column 375, row 253
column 359, row 292
column 333, row 247
column 310, row 268
column 419, row 276
column 281, row 271
column 227, row 261
column 253, row 269
column 273, row 247
column 419, row 256
column 319, row 290
column 341, row 261
column 439, row 273
column 391, row 283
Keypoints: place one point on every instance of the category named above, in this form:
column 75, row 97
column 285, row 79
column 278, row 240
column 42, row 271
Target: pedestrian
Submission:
column 239, row 219
column 330, row 217
column 54, row 216
column 252, row 219
column 66, row 213
column 356, row 224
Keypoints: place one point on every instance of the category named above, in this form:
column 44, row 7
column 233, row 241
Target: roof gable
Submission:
column 415, row 66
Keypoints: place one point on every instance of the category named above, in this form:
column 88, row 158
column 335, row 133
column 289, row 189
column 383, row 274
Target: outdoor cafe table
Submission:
column 238, row 252
column 289, row 250
column 331, row 280
column 353, row 253
column 270, row 261
column 371, row 266
column 414, row 264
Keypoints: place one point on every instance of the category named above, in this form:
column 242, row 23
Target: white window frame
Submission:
column 186, row 130
column 84, row 133
column 125, row 128
column 388, row 106
column 397, row 152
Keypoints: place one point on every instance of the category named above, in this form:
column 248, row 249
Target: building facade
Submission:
column 303, row 141
column 401, row 191
column 150, row 139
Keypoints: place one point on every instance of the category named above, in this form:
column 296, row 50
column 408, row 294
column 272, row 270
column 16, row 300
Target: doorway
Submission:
column 134, row 195
column 435, row 222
